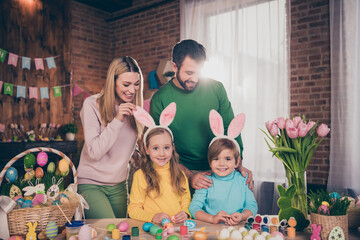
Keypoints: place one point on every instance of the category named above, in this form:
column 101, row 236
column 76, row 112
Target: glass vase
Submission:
column 300, row 199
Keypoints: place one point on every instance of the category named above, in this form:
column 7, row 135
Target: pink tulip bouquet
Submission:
column 294, row 143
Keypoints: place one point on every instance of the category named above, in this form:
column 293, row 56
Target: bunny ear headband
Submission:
column 234, row 129
column 166, row 118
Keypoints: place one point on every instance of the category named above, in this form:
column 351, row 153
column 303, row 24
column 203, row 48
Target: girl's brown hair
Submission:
column 219, row 145
column 152, row 178
column 106, row 98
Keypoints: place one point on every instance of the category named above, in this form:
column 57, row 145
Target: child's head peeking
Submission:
column 223, row 156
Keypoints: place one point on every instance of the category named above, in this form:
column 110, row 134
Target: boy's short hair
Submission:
column 221, row 144
column 189, row 48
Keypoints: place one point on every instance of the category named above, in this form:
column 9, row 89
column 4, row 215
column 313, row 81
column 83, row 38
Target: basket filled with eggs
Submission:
column 39, row 196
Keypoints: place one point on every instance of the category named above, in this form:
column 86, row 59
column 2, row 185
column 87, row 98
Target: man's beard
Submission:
column 183, row 83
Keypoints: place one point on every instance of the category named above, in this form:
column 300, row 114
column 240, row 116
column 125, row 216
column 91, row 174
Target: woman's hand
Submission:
column 159, row 217
column 250, row 179
column 125, row 109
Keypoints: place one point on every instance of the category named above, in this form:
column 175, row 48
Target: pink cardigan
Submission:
column 107, row 150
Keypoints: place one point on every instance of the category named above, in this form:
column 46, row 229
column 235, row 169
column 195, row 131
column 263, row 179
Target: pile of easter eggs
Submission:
column 243, row 234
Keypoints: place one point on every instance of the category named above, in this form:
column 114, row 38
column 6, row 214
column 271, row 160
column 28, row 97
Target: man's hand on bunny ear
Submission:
column 247, row 173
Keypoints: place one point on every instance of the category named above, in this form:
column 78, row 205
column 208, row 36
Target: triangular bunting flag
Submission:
column 86, row 94
column 13, row 59
column 39, row 63
column 8, row 89
column 77, row 90
column 33, row 92
column 57, row 91
column 20, row 91
column 25, row 62
column 50, row 62
column 44, row 93
column 2, row 55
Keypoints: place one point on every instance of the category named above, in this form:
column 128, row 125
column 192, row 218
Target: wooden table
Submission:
column 210, row 228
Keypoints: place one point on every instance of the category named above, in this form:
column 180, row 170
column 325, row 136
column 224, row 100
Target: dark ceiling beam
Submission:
column 139, row 10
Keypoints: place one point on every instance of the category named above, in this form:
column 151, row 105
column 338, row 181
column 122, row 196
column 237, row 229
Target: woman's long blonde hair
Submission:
column 151, row 176
column 106, row 99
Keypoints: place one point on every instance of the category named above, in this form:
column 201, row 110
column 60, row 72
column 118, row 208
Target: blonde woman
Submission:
column 110, row 133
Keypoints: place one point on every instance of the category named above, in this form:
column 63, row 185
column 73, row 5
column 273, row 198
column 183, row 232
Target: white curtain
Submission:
column 345, row 96
column 247, row 50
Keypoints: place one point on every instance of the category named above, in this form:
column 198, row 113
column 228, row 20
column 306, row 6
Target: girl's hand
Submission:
column 234, row 219
column 220, row 217
column 180, row 217
column 125, row 109
column 159, row 217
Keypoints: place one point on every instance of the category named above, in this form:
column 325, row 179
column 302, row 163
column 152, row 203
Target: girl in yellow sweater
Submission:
column 160, row 189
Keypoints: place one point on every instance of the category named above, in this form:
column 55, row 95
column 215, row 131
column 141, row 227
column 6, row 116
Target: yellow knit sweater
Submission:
column 143, row 207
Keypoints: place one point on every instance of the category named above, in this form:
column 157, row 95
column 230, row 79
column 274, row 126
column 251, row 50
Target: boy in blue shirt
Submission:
column 229, row 199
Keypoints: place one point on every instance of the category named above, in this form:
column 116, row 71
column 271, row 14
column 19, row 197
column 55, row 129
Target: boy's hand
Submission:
column 159, row 217
column 234, row 219
column 220, row 217
column 180, row 217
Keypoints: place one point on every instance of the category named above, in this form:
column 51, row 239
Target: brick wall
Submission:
column 310, row 73
column 147, row 36
column 91, row 53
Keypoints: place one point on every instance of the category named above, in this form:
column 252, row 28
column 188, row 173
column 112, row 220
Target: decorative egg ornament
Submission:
column 11, row 175
column 199, row 235
column 15, row 191
column 337, row 234
column 51, row 167
column 42, row 158
column 146, row 227
column 29, row 161
column 51, row 230
column 63, row 165
column 110, row 227
column 85, row 233
column 190, row 224
column 29, row 175
column 39, row 172
column 16, row 238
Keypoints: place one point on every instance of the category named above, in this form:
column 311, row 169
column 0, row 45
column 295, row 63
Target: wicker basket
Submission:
column 329, row 222
column 17, row 218
column 354, row 217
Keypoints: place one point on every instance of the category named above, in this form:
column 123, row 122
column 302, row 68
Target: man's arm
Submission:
column 197, row 180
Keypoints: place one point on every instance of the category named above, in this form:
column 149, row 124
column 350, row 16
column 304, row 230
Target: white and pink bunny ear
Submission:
column 143, row 117
column 216, row 123
column 236, row 125
column 168, row 114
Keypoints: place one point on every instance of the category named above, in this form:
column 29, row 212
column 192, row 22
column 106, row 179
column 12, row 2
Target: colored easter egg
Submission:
column 14, row 192
column 29, row 160
column 39, row 198
column 146, row 227
column 123, row 226
column 323, row 209
column 27, row 204
column 39, row 172
column 42, row 158
column 259, row 237
column 235, row 234
column 224, row 234
column 63, row 165
column 85, row 233
column 29, row 175
column 56, row 202
column 11, row 175
column 93, row 233
column 16, row 238
column 51, row 230
column 172, row 237
column 164, row 221
column 42, row 235
column 190, row 224
column 337, row 234
column 325, row 203
column 198, row 235
column 248, row 237
column 334, row 195
column 252, row 232
column 154, row 229
column 110, row 227
column 169, row 227
column 51, row 167
column 242, row 229
column 20, row 201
